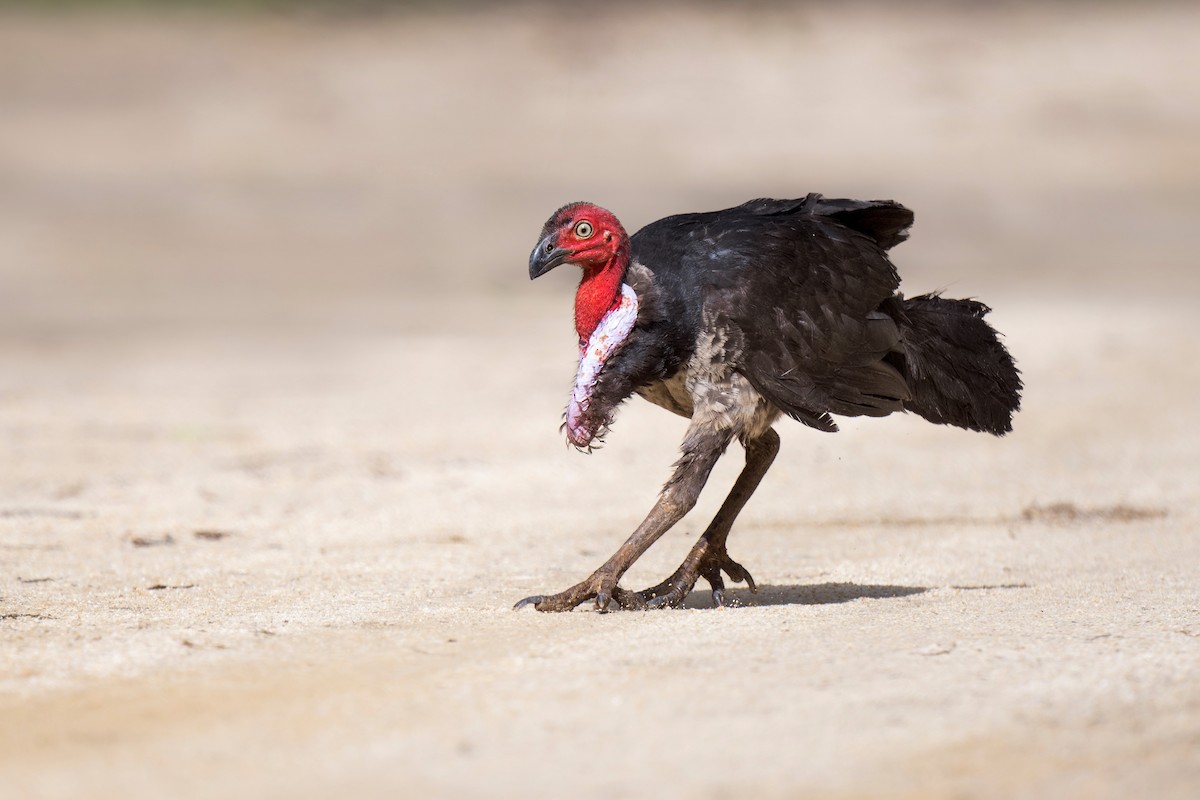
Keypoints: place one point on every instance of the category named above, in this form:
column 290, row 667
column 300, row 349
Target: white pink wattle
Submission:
column 613, row 329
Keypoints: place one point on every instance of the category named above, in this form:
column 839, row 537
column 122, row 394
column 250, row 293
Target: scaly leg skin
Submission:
column 702, row 447
column 708, row 557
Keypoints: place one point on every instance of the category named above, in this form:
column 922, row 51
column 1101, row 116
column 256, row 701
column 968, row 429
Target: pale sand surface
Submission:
column 278, row 410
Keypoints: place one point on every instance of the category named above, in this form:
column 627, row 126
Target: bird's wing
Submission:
column 802, row 295
column 885, row 221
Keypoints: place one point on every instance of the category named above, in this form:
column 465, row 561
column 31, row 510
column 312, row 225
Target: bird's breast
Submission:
column 711, row 392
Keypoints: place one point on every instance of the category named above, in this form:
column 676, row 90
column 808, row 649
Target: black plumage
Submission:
column 781, row 307
column 806, row 292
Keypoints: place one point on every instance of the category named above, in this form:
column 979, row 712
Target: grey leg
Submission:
column 708, row 557
column 702, row 447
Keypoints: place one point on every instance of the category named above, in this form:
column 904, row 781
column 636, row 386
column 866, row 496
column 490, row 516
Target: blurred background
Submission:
column 278, row 403
column 170, row 165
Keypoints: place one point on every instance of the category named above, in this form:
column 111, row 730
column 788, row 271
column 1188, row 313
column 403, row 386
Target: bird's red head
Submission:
column 593, row 239
column 579, row 233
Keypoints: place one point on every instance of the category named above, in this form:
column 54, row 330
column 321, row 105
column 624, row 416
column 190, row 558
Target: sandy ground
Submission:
column 278, row 412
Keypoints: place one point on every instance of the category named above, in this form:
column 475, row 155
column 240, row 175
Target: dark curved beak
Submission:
column 546, row 257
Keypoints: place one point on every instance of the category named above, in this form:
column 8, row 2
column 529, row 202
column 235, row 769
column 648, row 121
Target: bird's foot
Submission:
column 601, row 587
column 705, row 561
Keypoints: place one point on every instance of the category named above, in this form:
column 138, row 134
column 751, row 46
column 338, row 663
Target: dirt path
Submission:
column 278, row 411
column 280, row 587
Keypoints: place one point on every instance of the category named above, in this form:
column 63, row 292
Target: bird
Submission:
column 738, row 318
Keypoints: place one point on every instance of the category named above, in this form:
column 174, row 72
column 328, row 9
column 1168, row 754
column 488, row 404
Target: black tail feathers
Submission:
column 956, row 368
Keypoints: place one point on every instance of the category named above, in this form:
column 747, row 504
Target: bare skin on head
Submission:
column 737, row 317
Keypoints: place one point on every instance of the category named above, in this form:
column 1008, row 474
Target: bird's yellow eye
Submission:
column 583, row 229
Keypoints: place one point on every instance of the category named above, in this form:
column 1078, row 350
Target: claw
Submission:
column 749, row 581
column 669, row 594
column 718, row 588
column 738, row 574
column 529, row 601
column 662, row 601
column 600, row 587
column 708, row 565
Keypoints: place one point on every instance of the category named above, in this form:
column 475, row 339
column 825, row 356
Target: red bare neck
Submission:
column 599, row 292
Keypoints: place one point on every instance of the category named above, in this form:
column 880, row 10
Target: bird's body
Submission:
column 735, row 318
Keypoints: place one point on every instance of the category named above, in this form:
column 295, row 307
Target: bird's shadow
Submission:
column 811, row 594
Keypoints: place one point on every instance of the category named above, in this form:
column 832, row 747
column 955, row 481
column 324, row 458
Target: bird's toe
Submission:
column 630, row 601
column 668, row 600
column 602, row 600
column 737, row 573
column 529, row 601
